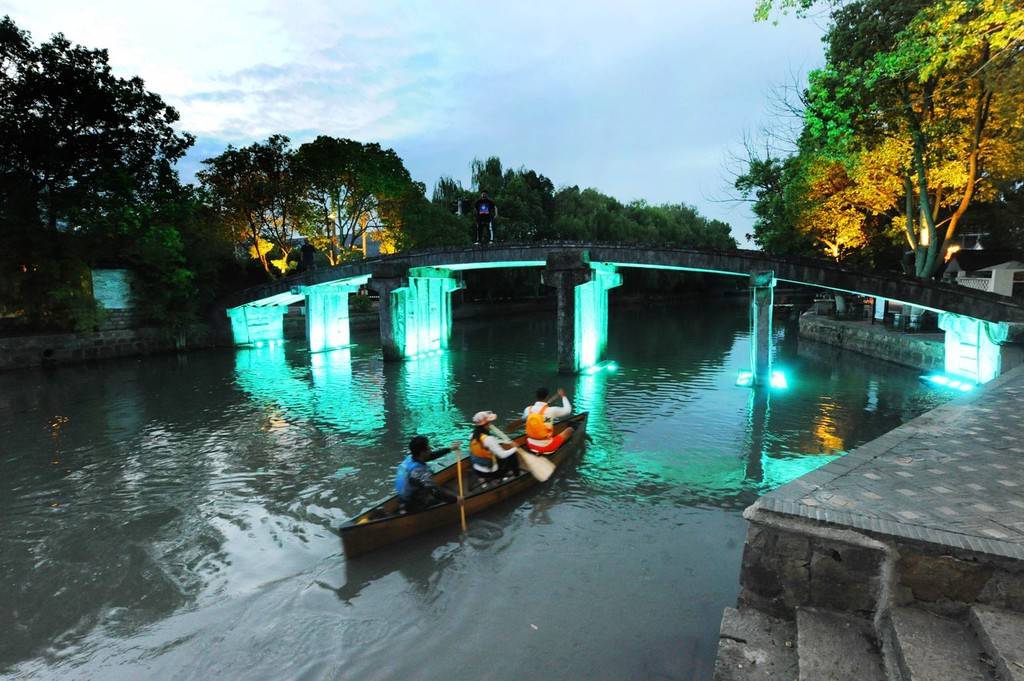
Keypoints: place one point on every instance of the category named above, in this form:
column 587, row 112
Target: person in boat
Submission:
column 539, row 417
column 414, row 483
column 491, row 458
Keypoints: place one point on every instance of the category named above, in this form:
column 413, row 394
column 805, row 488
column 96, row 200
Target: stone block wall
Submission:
column 947, row 581
column 115, row 320
column 32, row 351
column 792, row 563
column 875, row 341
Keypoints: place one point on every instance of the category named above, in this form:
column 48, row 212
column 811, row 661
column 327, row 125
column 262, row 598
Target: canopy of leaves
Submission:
column 530, row 208
column 917, row 113
column 258, row 191
column 345, row 184
column 87, row 177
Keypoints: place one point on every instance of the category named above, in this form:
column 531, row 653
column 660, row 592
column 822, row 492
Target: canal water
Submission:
column 173, row 517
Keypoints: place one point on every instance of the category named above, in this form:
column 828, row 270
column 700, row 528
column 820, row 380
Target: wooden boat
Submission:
column 385, row 524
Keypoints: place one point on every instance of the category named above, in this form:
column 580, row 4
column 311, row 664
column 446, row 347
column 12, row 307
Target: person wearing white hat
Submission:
column 490, row 457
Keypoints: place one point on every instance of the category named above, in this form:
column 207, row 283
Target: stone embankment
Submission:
column 903, row 560
column 924, row 351
column 19, row 352
column 119, row 339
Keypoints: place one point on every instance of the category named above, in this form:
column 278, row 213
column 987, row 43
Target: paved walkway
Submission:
column 953, row 476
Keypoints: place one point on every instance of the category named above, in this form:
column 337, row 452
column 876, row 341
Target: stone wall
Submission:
column 791, row 562
column 115, row 320
column 32, row 351
column 920, row 352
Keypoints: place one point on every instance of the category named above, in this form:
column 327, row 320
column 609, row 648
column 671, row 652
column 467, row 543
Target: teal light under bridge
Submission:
column 591, row 314
column 973, row 347
column 422, row 311
column 778, row 380
column 951, row 382
column 252, row 324
column 327, row 323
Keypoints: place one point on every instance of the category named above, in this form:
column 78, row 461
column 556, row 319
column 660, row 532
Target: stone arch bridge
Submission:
column 415, row 299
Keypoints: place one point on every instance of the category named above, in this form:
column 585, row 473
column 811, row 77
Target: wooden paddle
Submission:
column 512, row 425
column 539, row 467
column 462, row 505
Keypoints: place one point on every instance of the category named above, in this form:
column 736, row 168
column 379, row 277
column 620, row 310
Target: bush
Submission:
column 360, row 303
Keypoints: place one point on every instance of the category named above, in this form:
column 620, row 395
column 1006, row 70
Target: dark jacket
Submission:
column 423, row 483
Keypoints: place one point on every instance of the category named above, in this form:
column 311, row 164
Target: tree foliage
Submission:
column 256, row 190
column 531, row 208
column 917, row 114
column 86, row 176
column 346, row 183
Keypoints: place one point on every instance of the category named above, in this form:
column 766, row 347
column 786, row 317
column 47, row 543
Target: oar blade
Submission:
column 539, row 467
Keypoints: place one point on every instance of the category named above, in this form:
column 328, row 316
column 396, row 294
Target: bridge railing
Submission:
column 809, row 271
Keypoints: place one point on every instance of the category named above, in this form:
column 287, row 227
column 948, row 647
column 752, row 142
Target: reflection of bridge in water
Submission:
column 365, row 404
column 415, row 300
column 360, row 406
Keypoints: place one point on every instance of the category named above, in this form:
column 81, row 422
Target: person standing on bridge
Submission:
column 485, row 211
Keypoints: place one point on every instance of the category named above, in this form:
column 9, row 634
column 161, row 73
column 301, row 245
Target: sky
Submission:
column 642, row 100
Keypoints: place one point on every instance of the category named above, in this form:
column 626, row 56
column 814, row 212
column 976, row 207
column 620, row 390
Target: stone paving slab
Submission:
column 755, row 647
column 836, row 647
column 1002, row 636
column 953, row 476
column 930, row 648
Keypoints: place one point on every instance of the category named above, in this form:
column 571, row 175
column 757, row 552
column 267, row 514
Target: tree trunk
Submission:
column 908, row 206
column 260, row 255
column 980, row 117
column 923, row 267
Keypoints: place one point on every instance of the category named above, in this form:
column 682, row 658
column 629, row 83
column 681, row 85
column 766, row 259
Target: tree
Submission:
column 964, row 113
column 920, row 103
column 450, row 195
column 487, row 175
column 255, row 191
column 84, row 156
column 183, row 256
column 73, row 136
column 411, row 223
column 345, row 183
column 771, row 184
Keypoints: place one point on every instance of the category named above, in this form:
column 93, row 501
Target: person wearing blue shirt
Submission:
column 485, row 211
column 414, row 483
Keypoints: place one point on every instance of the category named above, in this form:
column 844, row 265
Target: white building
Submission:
column 1001, row 278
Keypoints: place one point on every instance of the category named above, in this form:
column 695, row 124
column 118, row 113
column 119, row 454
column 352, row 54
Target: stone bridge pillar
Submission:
column 581, row 291
column 978, row 350
column 327, row 316
column 762, row 293
column 415, row 308
column 255, row 324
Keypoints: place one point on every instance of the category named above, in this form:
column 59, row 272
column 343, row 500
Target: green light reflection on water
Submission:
column 425, row 390
column 691, row 472
column 324, row 391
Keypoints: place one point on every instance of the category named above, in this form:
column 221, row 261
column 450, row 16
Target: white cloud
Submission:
column 638, row 99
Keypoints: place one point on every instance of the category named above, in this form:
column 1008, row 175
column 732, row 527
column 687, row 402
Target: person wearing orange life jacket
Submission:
column 540, row 437
column 490, row 459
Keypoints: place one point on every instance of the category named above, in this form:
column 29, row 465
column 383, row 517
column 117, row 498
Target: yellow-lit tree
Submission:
column 922, row 106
